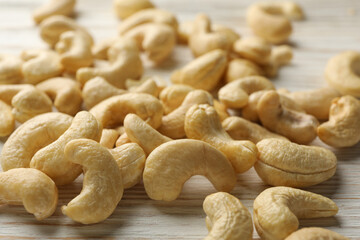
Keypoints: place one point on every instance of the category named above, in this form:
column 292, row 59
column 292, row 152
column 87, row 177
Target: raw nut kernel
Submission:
column 126, row 8
column 10, row 69
column 239, row 68
column 7, row 120
column 54, row 7
column 254, row 49
column 315, row 233
column 283, row 163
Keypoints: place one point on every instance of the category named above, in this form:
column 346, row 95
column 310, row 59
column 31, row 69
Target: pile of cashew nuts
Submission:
column 84, row 107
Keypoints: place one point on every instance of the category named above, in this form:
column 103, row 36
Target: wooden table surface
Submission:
column 331, row 26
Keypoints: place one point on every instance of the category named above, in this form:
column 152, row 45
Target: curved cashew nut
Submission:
column 102, row 187
column 343, row 127
column 227, row 218
column 202, row 40
column 40, row 65
column 316, row 102
column 54, row 7
column 30, row 102
column 156, row 39
column 254, row 49
column 7, row 120
column 236, row 93
column 152, row 15
column 315, row 233
column 10, row 69
column 32, row 136
column 148, row 86
column 172, row 96
column 109, row 137
column 342, row 73
column 143, row 134
column 280, row 56
column 296, row 126
column 52, row 28
column 52, row 160
column 126, row 8
column 203, row 123
column 75, row 50
column 204, row 72
column 65, row 93
column 125, row 63
column 221, row 109
column 112, row 111
column 239, row 68
column 173, row 124
column 301, row 166
column 123, row 139
column 130, row 158
column 31, row 188
column 168, row 167
column 97, row 90
column 8, row 91
column 271, row 20
column 277, row 209
column 242, row 129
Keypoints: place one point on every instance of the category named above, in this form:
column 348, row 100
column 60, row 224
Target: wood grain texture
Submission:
column 331, row 26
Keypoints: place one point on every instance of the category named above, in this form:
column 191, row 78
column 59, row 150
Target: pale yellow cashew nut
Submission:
column 173, row 124
column 171, row 164
column 75, row 50
column 342, row 72
column 112, row 111
column 343, row 127
column 203, row 123
column 10, row 69
column 65, row 93
column 102, row 187
column 254, row 49
column 277, row 209
column 109, row 137
column 283, row 163
column 172, row 96
column 204, row 72
column 140, row 132
column 32, row 136
column 52, row 160
column 315, row 233
column 227, row 218
column 239, row 68
column 8, row 91
column 54, row 7
column 7, row 120
column 280, row 56
column 123, row 139
column 40, row 65
column 148, row 86
column 126, row 8
column 124, row 61
column 31, row 188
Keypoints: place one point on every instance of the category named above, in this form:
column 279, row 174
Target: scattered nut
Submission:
column 123, row 139
column 172, row 96
column 315, row 233
column 52, row 8
column 10, row 69
column 108, row 138
column 221, row 109
column 126, row 8
column 239, row 68
column 148, row 86
column 8, row 91
column 254, row 49
column 280, row 56
column 7, row 120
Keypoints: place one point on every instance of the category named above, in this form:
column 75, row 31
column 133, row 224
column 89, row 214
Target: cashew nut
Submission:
column 283, row 163
column 40, row 65
column 102, row 187
column 202, row 40
column 242, row 129
column 30, row 102
column 221, row 109
column 130, row 158
column 8, row 91
column 65, row 93
column 227, row 218
column 343, row 127
column 171, row 164
column 296, row 126
column 51, row 159
column 124, row 61
column 172, row 96
column 112, row 111
column 280, row 56
column 239, row 68
column 203, row 123
column 277, row 209
column 204, row 72
column 126, row 8
column 99, row 50
column 52, row 28
column 315, row 233
column 32, row 136
column 271, row 20
column 148, row 86
column 254, row 49
column 10, row 69
column 7, row 120
column 342, row 73
column 152, row 15
column 75, row 50
column 173, row 123
column 236, row 93
column 156, row 39
column 109, row 137
column 31, row 188
column 54, row 7
column 143, row 134
column 123, row 139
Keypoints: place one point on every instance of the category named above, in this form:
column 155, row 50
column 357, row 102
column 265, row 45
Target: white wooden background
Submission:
column 331, row 26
